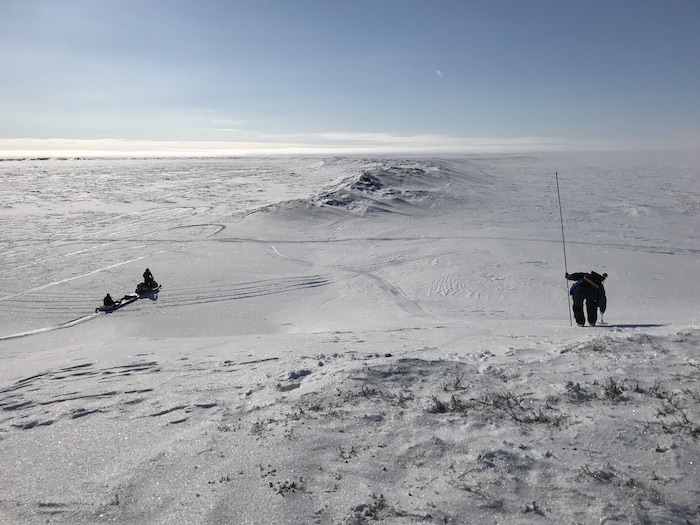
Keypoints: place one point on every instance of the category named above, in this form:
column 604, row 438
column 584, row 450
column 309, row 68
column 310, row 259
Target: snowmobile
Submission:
column 146, row 289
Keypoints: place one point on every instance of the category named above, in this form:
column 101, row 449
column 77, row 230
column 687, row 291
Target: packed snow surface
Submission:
column 349, row 341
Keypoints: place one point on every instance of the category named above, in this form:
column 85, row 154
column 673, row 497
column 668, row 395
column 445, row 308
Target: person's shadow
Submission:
column 631, row 325
column 153, row 296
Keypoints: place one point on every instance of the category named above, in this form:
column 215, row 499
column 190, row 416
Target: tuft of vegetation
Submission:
column 287, row 486
column 604, row 475
column 612, row 389
column 454, row 404
column 533, row 508
column 578, row 393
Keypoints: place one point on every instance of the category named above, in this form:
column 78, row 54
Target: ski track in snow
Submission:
column 232, row 292
column 181, row 297
column 67, row 324
column 274, row 252
column 69, row 279
column 406, row 303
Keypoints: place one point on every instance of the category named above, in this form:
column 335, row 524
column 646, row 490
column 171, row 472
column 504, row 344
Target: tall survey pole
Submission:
column 563, row 243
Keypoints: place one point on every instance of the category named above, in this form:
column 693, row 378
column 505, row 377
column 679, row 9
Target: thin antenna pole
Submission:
column 563, row 243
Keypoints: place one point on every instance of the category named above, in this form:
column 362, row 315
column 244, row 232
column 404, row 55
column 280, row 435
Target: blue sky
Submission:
column 392, row 74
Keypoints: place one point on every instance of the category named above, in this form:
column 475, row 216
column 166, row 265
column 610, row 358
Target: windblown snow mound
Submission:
column 408, row 187
column 405, row 187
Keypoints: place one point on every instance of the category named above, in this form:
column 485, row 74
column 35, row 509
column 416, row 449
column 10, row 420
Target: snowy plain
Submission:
column 349, row 340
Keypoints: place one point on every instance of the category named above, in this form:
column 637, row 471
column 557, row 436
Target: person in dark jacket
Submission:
column 148, row 279
column 108, row 301
column 588, row 288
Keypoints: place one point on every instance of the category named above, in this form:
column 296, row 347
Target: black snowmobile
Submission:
column 147, row 289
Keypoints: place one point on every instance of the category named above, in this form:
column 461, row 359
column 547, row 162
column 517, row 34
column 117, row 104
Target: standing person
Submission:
column 148, row 279
column 588, row 288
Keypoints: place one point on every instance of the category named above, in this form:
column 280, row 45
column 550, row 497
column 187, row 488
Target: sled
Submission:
column 127, row 299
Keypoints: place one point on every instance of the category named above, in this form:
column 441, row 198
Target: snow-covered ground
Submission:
column 348, row 341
